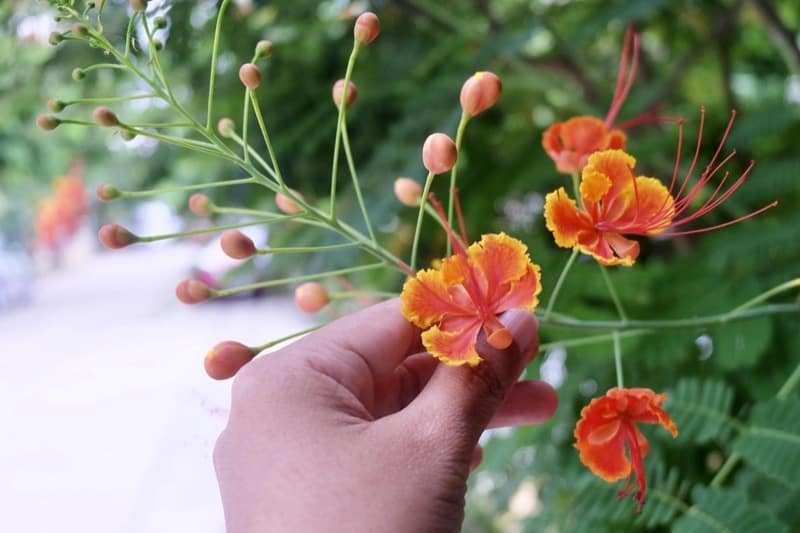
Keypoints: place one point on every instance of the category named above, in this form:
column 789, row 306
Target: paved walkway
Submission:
column 107, row 420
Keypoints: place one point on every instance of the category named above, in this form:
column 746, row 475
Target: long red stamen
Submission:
column 625, row 76
column 649, row 117
column 723, row 225
column 638, row 466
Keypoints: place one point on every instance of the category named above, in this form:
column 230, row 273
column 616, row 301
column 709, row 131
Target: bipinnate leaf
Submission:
column 701, row 409
column 726, row 511
column 771, row 443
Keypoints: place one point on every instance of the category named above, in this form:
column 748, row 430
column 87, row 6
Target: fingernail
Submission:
column 524, row 329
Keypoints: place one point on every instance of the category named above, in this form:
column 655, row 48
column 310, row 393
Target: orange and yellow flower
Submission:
column 608, row 425
column 570, row 143
column 466, row 292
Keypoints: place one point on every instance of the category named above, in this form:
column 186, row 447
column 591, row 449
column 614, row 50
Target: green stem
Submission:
column 215, row 229
column 109, row 99
column 129, row 34
column 212, row 81
column 345, row 295
column 98, row 66
column 250, row 150
column 160, row 125
column 561, row 277
column 790, row 384
column 286, row 281
column 766, row 295
column 307, row 249
column 558, row 320
column 613, row 293
column 423, row 202
column 350, row 163
column 263, row 127
column 270, row 344
column 246, row 148
column 618, row 358
column 576, row 188
column 183, row 188
column 340, row 122
column 594, row 339
column 462, row 124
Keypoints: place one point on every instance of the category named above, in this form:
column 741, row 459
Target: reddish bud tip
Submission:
column 200, row 204
column 103, row 116
column 311, row 297
column 192, row 291
column 114, row 236
column 263, row 49
column 480, row 92
column 138, row 5
column 106, row 192
column 250, row 75
column 237, row 245
column 225, row 359
column 226, row 127
column 47, row 122
column 286, row 204
column 338, row 91
column 407, row 191
column 367, row 27
column 439, row 153
column 55, row 105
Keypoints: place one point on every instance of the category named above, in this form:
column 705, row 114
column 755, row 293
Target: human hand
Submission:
column 356, row 428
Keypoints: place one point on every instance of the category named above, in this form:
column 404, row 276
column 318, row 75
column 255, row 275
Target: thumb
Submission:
column 463, row 399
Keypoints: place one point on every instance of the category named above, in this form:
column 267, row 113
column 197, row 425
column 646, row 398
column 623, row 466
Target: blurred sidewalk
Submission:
column 107, row 417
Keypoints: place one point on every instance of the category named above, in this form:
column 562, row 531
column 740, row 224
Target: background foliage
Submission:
column 556, row 59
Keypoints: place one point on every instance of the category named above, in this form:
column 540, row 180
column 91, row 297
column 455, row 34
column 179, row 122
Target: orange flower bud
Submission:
column 237, row 245
column 226, row 127
column 367, row 27
column 192, row 291
column 225, row 359
column 286, row 204
column 55, row 105
column 114, row 236
column 138, row 5
column 263, row 49
column 407, row 191
column 47, row 122
column 338, row 91
column 250, row 75
column 106, row 192
column 480, row 92
column 311, row 297
column 439, row 153
column 103, row 116
column 200, row 205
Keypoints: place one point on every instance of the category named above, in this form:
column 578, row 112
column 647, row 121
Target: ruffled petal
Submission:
column 617, row 166
column 501, row 260
column 564, row 219
column 453, row 348
column 656, row 207
column 601, row 449
column 426, row 299
column 521, row 294
column 584, row 134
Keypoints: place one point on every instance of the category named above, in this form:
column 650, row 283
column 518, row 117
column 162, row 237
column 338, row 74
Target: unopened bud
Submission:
column 157, row 45
column 225, row 359
column 286, row 204
column 138, row 5
column 250, row 75
column 192, row 291
column 106, row 192
column 311, row 297
column 263, row 49
column 338, row 91
column 200, row 204
column 127, row 135
column 407, row 191
column 47, row 122
column 159, row 23
column 480, row 92
column 55, row 105
column 114, row 236
column 80, row 30
column 226, row 127
column 78, row 74
column 55, row 38
column 367, row 27
column 237, row 245
column 103, row 116
column 439, row 153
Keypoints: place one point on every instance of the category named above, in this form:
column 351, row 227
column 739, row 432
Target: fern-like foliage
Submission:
column 701, row 409
column 725, row 511
column 771, row 443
